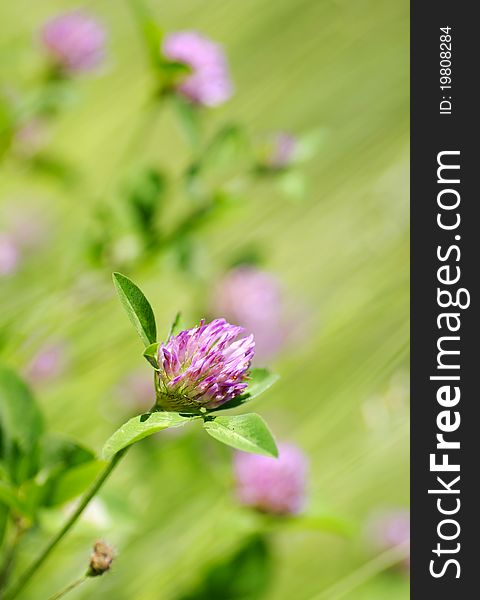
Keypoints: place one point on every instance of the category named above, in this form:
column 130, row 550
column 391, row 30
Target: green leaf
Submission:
column 141, row 427
column 151, row 32
column 145, row 198
column 75, row 481
column 8, row 497
column 226, row 147
column 173, row 71
column 138, row 308
column 61, row 453
column 260, row 381
column 20, row 418
column 67, row 469
column 244, row 432
column 21, row 426
column 189, row 120
column 246, row 573
column 151, row 354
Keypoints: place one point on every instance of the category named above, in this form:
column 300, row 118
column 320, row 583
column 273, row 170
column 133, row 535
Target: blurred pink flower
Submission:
column 209, row 82
column 254, row 299
column 9, row 255
column 48, row 363
column 388, row 529
column 281, row 150
column 272, row 485
column 75, row 41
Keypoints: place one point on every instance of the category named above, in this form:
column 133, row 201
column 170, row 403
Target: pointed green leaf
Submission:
column 260, row 381
column 151, row 354
column 243, row 432
column 140, row 427
column 150, row 31
column 138, row 308
column 74, row 482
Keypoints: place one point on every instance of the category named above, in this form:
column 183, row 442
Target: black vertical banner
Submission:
column 445, row 332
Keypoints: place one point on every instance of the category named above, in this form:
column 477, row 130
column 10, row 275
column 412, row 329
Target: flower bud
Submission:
column 272, row 485
column 101, row 559
column 75, row 41
column 203, row 367
column 209, row 82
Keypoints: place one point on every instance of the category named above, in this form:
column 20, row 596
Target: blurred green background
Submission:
column 334, row 66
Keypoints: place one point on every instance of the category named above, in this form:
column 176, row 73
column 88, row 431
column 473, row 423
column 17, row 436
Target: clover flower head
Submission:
column 209, row 82
column 254, row 299
column 9, row 255
column 281, row 150
column 75, row 41
column 203, row 367
column 272, row 485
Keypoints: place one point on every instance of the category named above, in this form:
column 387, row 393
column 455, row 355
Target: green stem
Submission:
column 89, row 494
column 69, row 588
column 10, row 555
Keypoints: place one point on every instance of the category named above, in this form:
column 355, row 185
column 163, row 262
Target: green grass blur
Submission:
column 334, row 66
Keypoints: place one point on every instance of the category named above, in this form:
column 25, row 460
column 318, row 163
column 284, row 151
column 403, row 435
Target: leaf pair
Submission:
column 243, row 432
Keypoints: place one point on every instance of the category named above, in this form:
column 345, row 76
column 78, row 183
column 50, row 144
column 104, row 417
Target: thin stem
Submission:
column 89, row 494
column 69, row 588
column 10, row 555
